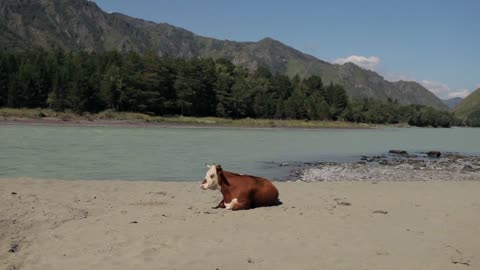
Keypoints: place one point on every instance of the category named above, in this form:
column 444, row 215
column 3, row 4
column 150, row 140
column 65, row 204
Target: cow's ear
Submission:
column 219, row 168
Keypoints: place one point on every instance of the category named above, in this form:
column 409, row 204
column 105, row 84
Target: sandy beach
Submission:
column 54, row 224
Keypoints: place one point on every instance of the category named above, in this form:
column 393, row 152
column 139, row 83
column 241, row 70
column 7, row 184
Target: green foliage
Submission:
column 473, row 119
column 337, row 100
column 148, row 84
column 468, row 105
column 388, row 112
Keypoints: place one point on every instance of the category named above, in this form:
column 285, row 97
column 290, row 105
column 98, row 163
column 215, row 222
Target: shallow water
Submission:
column 180, row 154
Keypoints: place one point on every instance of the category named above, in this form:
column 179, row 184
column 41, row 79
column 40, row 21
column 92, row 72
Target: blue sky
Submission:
column 436, row 43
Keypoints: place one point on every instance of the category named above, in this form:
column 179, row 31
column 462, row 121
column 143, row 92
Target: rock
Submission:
column 458, row 257
column 434, row 154
column 13, row 248
column 468, row 168
column 451, row 166
column 467, row 263
column 383, row 162
column 342, row 202
column 14, row 193
column 398, row 152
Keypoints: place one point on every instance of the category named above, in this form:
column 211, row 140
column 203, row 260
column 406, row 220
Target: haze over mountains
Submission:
column 452, row 102
column 82, row 25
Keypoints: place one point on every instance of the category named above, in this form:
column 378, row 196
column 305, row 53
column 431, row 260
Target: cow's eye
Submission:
column 212, row 175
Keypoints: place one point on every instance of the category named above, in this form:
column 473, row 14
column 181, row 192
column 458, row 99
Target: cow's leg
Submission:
column 241, row 206
column 242, row 202
column 231, row 204
column 220, row 205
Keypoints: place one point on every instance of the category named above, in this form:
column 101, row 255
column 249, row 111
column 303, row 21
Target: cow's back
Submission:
column 265, row 193
column 259, row 191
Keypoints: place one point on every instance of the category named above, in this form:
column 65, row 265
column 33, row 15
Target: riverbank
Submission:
column 125, row 119
column 53, row 224
column 397, row 165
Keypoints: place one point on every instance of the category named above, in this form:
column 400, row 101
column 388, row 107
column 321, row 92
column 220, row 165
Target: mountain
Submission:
column 82, row 25
column 468, row 105
column 452, row 102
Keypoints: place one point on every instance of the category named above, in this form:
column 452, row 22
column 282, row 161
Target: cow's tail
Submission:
column 278, row 202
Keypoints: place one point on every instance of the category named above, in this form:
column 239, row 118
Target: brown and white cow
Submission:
column 240, row 192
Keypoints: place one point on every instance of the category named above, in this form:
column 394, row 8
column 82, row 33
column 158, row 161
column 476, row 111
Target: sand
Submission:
column 155, row 225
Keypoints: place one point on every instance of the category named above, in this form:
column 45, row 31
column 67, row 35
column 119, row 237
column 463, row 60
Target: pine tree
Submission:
column 337, row 100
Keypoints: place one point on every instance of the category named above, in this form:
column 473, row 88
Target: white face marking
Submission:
column 211, row 178
column 230, row 205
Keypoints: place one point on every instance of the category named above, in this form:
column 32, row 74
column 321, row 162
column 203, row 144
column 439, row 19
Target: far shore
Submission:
column 124, row 119
column 141, row 124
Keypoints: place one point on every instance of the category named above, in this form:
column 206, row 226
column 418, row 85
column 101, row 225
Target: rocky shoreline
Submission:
column 396, row 165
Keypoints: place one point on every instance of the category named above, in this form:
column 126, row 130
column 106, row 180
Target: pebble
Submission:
column 13, row 248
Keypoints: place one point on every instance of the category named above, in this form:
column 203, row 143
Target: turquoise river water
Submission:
column 180, row 154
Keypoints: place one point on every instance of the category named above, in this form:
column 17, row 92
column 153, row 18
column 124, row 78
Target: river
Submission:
column 180, row 154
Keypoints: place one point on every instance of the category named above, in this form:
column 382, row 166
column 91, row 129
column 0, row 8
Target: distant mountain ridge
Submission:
column 452, row 102
column 82, row 25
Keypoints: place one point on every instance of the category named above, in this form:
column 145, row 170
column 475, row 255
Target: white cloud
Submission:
column 443, row 91
column 367, row 62
column 438, row 88
column 459, row 93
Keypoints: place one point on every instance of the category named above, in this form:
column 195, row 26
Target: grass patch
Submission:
column 108, row 115
column 10, row 113
column 250, row 122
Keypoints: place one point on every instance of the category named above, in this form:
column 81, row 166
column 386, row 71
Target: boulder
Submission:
column 398, row 152
column 434, row 154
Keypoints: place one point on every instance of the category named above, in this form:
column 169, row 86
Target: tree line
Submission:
column 473, row 119
column 93, row 82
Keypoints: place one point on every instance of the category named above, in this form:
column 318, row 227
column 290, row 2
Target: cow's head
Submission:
column 212, row 178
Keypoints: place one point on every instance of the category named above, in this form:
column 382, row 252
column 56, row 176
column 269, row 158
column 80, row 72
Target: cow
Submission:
column 240, row 192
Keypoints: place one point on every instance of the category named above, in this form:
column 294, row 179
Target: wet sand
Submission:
column 55, row 224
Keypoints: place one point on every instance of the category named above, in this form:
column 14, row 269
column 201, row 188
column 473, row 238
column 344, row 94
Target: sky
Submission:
column 436, row 43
